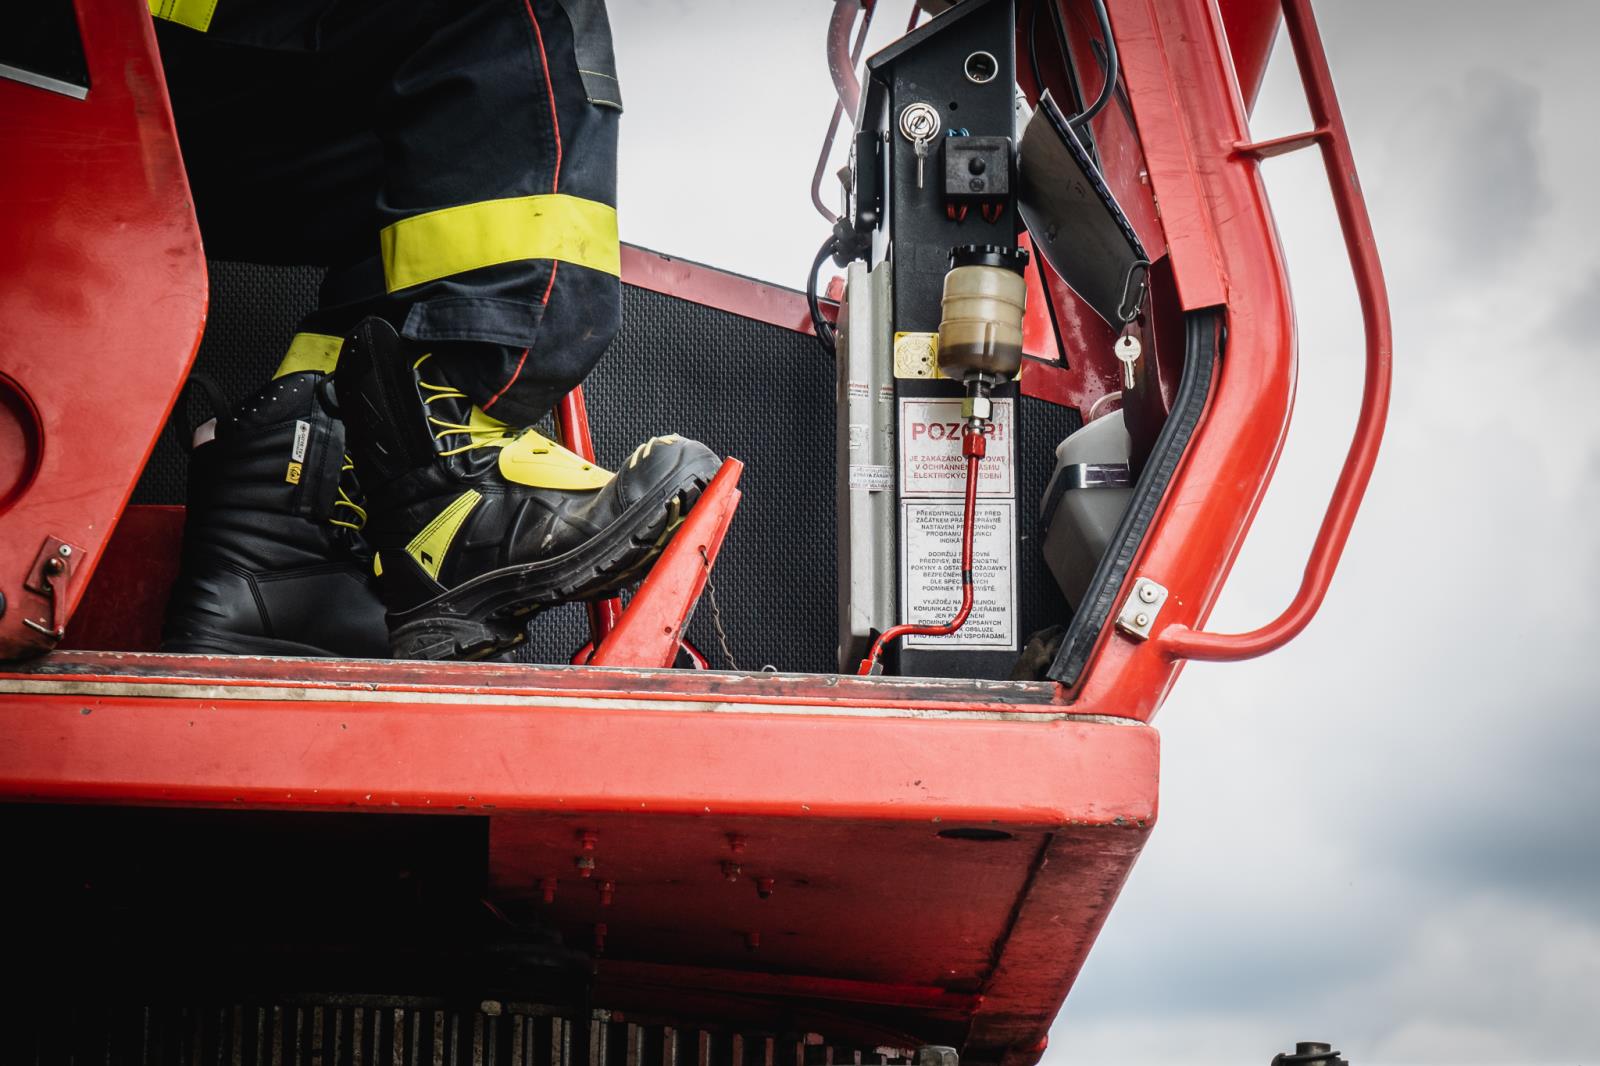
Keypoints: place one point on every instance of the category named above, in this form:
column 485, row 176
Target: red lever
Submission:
column 648, row 632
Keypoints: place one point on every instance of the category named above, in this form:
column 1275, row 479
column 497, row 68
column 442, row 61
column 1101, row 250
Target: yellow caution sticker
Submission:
column 916, row 355
column 293, row 476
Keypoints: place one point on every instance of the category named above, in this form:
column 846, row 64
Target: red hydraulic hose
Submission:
column 972, row 446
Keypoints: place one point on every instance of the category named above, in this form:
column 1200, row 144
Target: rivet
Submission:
column 607, row 891
column 548, row 887
column 764, row 888
column 731, row 871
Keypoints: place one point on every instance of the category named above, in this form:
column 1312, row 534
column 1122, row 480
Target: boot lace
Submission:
column 354, row 516
column 482, row 432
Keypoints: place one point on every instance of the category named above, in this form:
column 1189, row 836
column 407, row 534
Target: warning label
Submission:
column 930, row 450
column 871, row 477
column 930, row 572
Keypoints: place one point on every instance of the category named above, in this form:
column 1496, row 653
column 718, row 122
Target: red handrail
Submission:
column 1179, row 641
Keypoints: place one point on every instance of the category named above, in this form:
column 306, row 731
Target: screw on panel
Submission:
column 587, row 839
column 608, row 889
column 736, row 843
column 752, row 941
column 764, row 887
column 731, row 870
column 599, row 937
column 548, row 888
column 585, row 865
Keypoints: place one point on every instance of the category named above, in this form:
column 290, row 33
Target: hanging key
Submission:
column 1127, row 350
column 919, row 124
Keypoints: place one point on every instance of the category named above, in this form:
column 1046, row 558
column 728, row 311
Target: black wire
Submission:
column 1109, row 89
column 826, row 339
column 1033, row 49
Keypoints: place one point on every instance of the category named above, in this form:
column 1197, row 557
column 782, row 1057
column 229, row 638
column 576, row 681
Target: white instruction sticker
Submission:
column 930, row 572
column 930, row 450
column 871, row 477
column 302, row 437
column 859, row 435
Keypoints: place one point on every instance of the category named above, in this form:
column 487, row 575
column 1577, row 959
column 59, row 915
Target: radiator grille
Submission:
column 386, row 1031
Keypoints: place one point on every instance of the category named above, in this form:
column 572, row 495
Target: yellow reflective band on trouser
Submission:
column 195, row 14
column 454, row 240
column 310, row 351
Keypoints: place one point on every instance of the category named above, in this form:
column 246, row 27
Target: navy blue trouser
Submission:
column 453, row 163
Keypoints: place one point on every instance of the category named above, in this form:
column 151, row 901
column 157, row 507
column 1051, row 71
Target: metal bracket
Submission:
column 1138, row 615
column 52, row 568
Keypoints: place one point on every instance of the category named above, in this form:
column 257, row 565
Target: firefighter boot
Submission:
column 477, row 525
column 273, row 562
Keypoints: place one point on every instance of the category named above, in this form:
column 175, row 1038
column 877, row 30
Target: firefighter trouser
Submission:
column 452, row 162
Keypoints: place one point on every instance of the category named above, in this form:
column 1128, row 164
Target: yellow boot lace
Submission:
column 357, row 517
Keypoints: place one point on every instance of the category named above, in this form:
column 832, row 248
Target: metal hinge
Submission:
column 1138, row 615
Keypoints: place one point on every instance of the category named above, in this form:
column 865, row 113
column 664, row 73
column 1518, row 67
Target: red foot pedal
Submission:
column 648, row 632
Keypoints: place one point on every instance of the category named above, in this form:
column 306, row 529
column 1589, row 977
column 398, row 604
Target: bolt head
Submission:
column 1141, row 619
column 1147, row 594
column 65, row 551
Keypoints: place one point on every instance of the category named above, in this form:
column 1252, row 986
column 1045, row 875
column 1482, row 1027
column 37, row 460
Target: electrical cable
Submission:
column 972, row 446
column 1109, row 89
column 826, row 334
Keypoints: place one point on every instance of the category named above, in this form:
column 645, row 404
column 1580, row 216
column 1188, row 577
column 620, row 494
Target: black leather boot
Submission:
column 273, row 562
column 476, row 524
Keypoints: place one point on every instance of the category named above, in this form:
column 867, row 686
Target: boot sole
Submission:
column 490, row 613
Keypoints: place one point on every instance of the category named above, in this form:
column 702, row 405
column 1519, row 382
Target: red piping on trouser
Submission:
column 555, row 186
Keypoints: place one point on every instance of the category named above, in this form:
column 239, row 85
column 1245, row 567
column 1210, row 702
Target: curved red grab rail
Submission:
column 1179, row 641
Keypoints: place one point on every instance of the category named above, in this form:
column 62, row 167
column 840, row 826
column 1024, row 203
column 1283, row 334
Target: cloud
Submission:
column 1466, row 165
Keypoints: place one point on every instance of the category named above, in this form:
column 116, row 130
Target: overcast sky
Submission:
column 1385, row 835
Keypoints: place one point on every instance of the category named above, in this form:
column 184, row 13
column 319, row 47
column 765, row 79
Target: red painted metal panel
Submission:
column 123, row 606
column 103, row 294
column 797, row 841
column 721, row 289
column 1224, row 251
column 1252, row 26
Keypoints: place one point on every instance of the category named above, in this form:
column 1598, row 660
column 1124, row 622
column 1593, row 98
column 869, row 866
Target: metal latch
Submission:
column 47, row 578
column 1138, row 615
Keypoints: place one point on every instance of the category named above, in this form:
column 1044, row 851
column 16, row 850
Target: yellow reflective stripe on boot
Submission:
column 429, row 546
column 537, row 461
column 195, row 14
column 454, row 240
column 310, row 351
